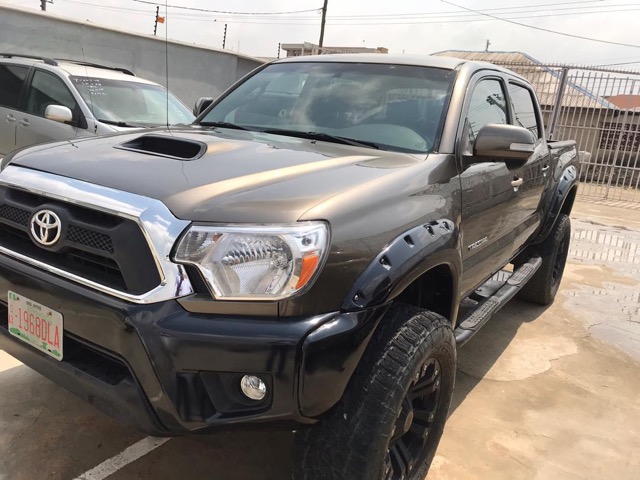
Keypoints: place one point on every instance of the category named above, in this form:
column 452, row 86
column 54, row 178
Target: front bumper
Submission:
column 167, row 371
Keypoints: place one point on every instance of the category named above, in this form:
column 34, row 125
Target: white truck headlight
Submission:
column 255, row 262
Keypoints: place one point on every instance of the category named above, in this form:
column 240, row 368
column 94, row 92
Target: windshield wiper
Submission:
column 123, row 124
column 227, row 125
column 327, row 137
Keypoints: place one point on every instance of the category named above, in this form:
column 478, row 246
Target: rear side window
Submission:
column 523, row 109
column 11, row 80
column 47, row 89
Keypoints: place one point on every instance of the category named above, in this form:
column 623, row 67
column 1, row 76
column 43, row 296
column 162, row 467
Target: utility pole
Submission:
column 43, row 5
column 486, row 49
column 324, row 19
column 224, row 39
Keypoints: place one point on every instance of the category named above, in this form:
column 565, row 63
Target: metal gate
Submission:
column 600, row 109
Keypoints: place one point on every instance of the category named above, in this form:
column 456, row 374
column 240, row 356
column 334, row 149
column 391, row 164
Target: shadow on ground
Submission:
column 484, row 349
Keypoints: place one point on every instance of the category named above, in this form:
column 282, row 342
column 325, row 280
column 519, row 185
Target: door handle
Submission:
column 11, row 118
column 545, row 170
column 517, row 182
column 24, row 123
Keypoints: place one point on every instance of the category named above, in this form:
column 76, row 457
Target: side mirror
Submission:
column 58, row 113
column 201, row 105
column 511, row 144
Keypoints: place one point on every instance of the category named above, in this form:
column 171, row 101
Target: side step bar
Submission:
column 487, row 307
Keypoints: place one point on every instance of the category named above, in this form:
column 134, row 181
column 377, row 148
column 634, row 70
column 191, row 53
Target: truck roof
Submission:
column 449, row 63
column 417, row 60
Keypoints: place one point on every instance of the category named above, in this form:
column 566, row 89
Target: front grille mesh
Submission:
column 89, row 238
column 15, row 215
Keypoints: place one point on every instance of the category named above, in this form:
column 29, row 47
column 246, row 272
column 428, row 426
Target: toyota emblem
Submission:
column 46, row 227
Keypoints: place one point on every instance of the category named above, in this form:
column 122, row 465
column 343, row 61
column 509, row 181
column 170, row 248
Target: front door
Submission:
column 488, row 195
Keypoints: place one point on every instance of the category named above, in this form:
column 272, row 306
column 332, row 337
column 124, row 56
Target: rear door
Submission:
column 12, row 79
column 488, row 197
column 536, row 173
column 46, row 89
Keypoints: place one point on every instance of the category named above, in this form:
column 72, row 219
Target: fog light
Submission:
column 253, row 387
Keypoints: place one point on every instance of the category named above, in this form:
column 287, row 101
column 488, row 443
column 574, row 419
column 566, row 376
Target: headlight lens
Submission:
column 255, row 262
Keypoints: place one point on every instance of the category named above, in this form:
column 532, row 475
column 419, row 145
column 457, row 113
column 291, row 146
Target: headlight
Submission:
column 257, row 262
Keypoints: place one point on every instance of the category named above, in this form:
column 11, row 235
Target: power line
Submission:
column 368, row 19
column 229, row 13
column 406, row 21
column 338, row 21
column 288, row 21
column 544, row 29
column 499, row 9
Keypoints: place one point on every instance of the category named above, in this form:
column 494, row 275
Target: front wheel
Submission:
column 389, row 422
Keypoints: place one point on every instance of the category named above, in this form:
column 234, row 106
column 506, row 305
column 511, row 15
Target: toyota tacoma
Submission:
column 309, row 253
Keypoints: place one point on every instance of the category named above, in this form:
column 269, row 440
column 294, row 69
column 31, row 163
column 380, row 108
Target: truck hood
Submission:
column 234, row 177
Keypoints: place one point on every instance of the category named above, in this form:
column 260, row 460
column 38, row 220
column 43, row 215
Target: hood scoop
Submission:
column 165, row 146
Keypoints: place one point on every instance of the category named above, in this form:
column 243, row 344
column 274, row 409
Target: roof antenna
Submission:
column 166, row 54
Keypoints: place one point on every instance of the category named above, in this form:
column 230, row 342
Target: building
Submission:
column 306, row 48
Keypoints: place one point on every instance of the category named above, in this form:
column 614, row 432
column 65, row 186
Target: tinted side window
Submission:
column 488, row 105
column 11, row 80
column 523, row 108
column 47, row 89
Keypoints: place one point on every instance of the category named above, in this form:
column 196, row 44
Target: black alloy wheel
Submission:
column 410, row 433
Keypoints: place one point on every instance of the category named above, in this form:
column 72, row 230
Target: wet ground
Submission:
column 542, row 393
column 554, row 393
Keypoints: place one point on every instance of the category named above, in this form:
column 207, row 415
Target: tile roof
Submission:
column 626, row 101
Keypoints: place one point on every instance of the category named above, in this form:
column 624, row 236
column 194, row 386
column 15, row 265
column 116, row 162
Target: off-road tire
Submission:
column 352, row 442
column 543, row 286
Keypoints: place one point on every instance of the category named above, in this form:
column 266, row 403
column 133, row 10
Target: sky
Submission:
column 402, row 26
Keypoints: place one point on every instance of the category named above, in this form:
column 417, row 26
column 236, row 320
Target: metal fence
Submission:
column 600, row 109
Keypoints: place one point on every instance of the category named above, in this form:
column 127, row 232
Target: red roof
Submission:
column 625, row 101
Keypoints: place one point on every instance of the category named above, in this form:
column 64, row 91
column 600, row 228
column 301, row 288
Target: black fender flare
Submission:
column 568, row 180
column 405, row 259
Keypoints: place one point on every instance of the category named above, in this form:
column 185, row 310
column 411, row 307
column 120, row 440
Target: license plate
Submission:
column 35, row 324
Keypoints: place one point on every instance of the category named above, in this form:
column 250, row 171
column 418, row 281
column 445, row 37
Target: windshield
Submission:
column 131, row 103
column 394, row 107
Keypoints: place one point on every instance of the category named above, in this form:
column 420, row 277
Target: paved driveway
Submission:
column 542, row 393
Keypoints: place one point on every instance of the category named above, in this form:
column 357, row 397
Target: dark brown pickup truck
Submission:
column 310, row 253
